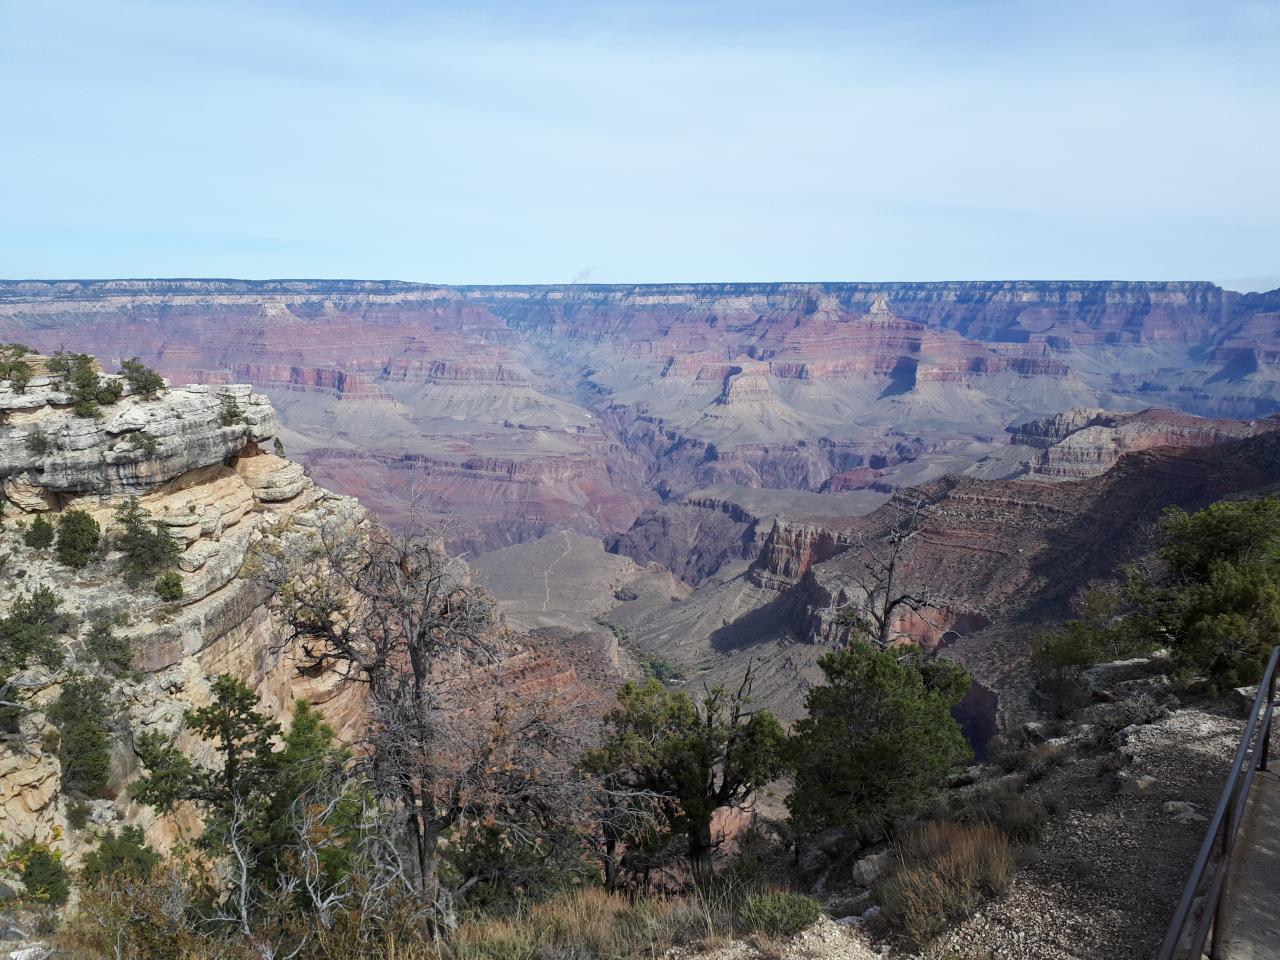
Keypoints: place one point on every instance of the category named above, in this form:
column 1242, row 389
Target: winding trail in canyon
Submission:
column 546, row 574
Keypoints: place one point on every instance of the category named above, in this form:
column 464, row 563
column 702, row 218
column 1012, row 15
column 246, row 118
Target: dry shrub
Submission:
column 141, row 919
column 590, row 924
column 1004, row 806
column 155, row 919
column 943, row 872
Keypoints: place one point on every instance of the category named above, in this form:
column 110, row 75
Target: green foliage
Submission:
column 80, row 380
column 1218, row 606
column 664, row 671
column 879, row 738
column 698, row 757
column 143, row 381
column 113, row 653
column 39, row 536
column 1232, row 532
column 125, row 855
column 148, row 547
column 38, row 441
column 77, row 814
column 78, row 538
column 80, row 713
column 145, row 442
column 1101, row 634
column 169, row 586
column 779, row 914
column 14, row 366
column 27, row 633
column 43, row 873
column 278, row 446
column 252, row 781
column 231, row 413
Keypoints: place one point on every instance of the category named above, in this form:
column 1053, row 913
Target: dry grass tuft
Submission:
column 944, row 872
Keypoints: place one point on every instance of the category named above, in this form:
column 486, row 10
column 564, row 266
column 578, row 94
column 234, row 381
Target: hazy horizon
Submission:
column 1247, row 285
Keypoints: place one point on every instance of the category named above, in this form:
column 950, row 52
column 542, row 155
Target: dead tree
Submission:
column 876, row 569
column 445, row 747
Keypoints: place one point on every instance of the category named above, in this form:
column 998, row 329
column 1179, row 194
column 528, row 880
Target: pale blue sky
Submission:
column 641, row 141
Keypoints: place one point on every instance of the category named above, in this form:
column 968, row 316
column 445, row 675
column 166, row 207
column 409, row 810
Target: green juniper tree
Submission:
column 78, row 539
column 697, row 757
column 88, row 391
column 120, row 855
column 143, row 381
column 148, row 547
column 1213, row 598
column 879, row 738
column 39, row 536
column 249, row 796
column 80, row 713
column 14, row 366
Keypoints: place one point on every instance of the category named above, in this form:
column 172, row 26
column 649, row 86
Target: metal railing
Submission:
column 1199, row 913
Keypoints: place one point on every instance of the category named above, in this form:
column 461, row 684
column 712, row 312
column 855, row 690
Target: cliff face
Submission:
column 211, row 484
column 518, row 410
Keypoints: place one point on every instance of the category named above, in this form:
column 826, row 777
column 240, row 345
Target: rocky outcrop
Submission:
column 693, row 538
column 1086, row 442
column 50, row 457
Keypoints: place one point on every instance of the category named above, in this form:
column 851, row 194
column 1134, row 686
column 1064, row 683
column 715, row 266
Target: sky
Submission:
column 633, row 141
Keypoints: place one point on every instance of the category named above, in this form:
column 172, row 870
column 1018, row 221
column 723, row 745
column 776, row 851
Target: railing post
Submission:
column 1266, row 729
column 1214, row 943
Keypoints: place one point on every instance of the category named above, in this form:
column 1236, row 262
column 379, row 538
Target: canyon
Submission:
column 515, row 412
column 685, row 466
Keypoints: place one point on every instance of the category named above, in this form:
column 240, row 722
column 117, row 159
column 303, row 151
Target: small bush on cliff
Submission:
column 78, row 539
column 231, row 413
column 169, row 586
column 145, row 442
column 39, row 536
column 14, row 366
column 124, row 855
column 80, row 714
column 148, row 547
column 38, row 442
column 779, row 914
column 87, row 390
column 27, row 634
column 879, row 738
column 143, row 381
column 43, row 873
column 113, row 653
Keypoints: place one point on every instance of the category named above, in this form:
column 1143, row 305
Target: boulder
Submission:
column 868, row 870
